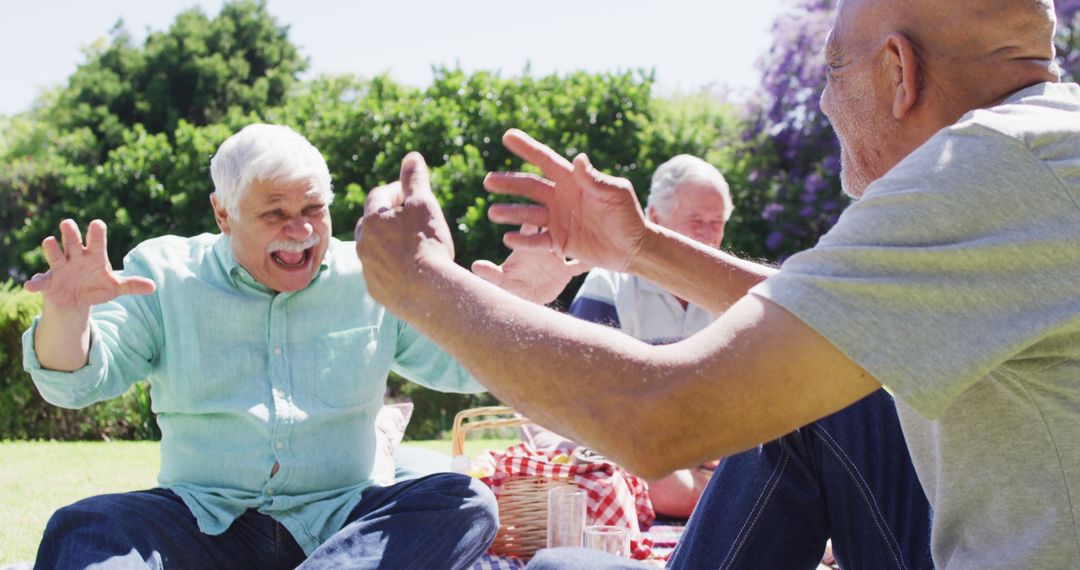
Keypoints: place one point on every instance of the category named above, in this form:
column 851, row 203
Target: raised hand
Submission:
column 588, row 215
column 385, row 197
column 80, row 276
column 538, row 275
column 403, row 226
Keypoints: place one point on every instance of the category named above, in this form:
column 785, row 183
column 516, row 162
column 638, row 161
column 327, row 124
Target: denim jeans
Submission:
column 439, row 521
column 847, row 477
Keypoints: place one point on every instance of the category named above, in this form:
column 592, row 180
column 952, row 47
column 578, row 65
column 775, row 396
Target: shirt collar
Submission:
column 646, row 285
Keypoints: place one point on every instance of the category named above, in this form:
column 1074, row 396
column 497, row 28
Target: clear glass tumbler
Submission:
column 566, row 516
column 611, row 539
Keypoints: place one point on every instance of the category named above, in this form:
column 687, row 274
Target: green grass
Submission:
column 36, row 478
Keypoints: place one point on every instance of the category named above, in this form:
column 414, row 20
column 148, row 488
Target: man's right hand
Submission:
column 589, row 215
column 80, row 276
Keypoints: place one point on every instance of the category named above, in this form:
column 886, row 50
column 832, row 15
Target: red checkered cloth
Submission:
column 615, row 496
column 654, row 548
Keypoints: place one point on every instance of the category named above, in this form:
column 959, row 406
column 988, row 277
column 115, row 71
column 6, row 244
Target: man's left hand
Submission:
column 402, row 229
column 533, row 274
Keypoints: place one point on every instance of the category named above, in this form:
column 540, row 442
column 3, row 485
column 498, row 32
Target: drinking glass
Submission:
column 566, row 516
column 611, row 539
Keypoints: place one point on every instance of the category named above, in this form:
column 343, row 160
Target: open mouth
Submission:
column 291, row 259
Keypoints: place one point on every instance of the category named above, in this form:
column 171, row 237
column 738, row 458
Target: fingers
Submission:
column 70, row 238
column 385, row 197
column 518, row 214
column 488, row 271
column 589, row 177
column 135, row 286
column 39, row 281
column 358, row 231
column 516, row 240
column 54, row 256
column 415, row 178
column 551, row 163
column 521, row 184
column 95, row 239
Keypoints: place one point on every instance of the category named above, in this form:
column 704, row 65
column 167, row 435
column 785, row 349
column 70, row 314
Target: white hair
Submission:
column 679, row 169
column 261, row 152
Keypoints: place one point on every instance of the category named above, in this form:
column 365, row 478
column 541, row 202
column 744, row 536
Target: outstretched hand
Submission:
column 588, row 215
column 403, row 226
column 80, row 276
column 537, row 275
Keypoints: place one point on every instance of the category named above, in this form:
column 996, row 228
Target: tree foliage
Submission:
column 196, row 71
column 129, row 138
column 25, row 415
column 141, row 161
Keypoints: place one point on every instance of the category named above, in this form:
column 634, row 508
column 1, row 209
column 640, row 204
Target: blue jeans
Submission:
column 441, row 521
column 847, row 477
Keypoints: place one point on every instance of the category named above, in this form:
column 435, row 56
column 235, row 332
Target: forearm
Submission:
column 575, row 377
column 652, row 408
column 702, row 275
column 62, row 338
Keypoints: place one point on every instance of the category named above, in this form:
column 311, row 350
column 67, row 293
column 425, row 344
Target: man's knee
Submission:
column 564, row 558
column 479, row 500
column 466, row 496
column 549, row 559
column 94, row 514
column 90, row 531
column 463, row 486
column 121, row 518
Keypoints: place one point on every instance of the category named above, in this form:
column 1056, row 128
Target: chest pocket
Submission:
column 341, row 362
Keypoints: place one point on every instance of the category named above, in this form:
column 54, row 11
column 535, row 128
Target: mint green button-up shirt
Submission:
column 242, row 378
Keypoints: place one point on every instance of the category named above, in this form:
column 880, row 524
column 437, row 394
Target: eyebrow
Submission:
column 275, row 203
column 831, row 50
column 311, row 196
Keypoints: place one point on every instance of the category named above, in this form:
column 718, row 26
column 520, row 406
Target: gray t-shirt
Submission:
column 955, row 281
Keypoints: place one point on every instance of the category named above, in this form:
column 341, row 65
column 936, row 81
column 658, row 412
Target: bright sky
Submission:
column 692, row 44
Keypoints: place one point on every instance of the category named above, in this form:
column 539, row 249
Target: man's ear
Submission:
column 221, row 215
column 905, row 73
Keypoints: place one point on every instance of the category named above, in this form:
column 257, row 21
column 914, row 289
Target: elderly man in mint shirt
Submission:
column 268, row 363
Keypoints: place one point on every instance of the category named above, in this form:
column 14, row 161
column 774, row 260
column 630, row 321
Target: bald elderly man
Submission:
column 952, row 280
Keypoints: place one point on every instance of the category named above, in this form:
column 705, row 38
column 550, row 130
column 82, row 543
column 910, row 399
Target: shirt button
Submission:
column 270, row 492
column 277, row 350
column 280, row 445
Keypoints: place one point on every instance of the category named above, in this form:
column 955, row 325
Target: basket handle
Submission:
column 462, row 427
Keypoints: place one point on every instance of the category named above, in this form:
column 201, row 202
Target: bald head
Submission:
column 901, row 70
column 976, row 52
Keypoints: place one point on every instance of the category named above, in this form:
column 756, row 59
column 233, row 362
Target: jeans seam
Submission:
column 862, row 486
column 759, row 507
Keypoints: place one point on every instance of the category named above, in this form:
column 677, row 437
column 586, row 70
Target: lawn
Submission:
column 36, row 478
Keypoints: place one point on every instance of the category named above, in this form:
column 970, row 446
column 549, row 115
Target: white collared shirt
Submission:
column 638, row 307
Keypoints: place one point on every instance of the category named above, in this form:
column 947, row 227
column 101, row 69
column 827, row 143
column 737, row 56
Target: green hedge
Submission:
column 129, row 137
column 24, row 415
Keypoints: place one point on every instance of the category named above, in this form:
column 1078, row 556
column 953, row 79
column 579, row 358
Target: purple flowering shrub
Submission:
column 1068, row 38
column 793, row 170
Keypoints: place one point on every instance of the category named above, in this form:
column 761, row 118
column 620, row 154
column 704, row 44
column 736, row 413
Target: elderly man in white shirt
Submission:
column 690, row 196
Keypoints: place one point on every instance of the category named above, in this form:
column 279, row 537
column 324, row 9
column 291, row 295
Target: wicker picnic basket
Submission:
column 523, row 501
